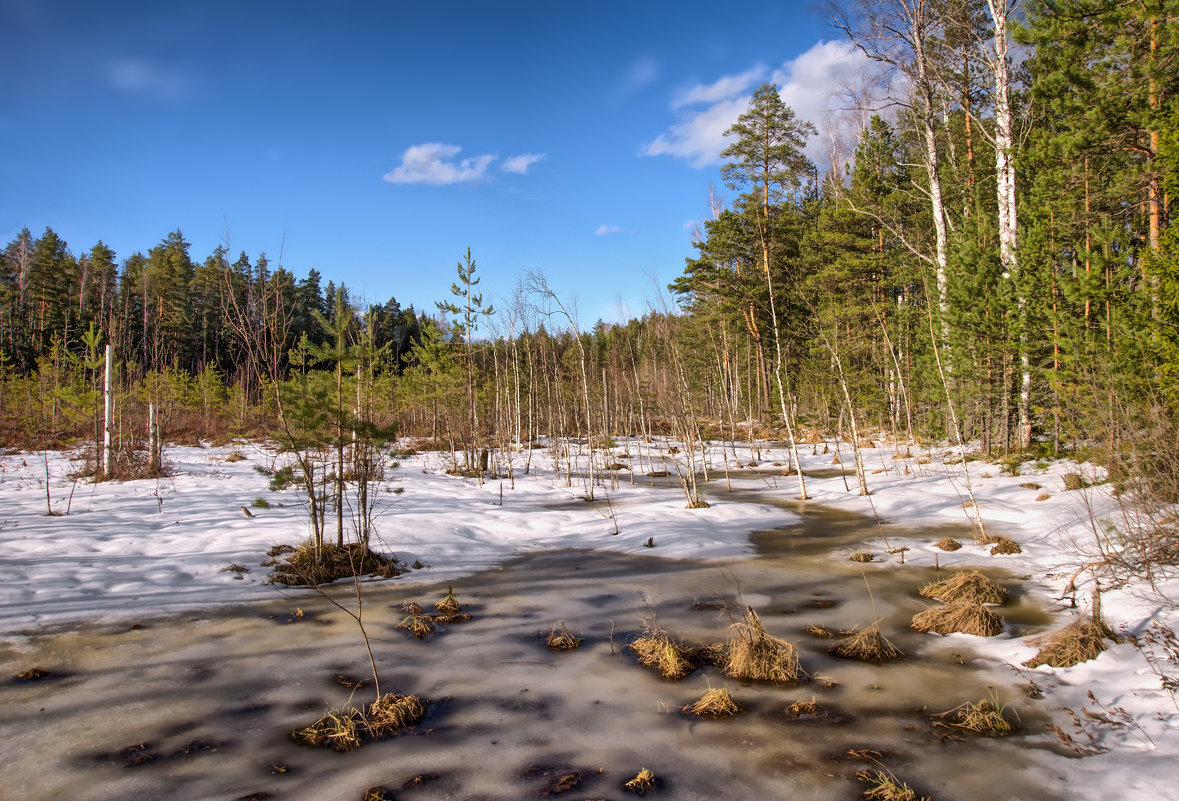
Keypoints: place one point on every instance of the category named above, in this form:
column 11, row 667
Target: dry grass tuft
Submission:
column 458, row 617
column 868, row 645
column 1005, row 545
column 883, row 786
column 304, row 567
column 949, row 544
column 644, row 781
column 821, row 632
column 753, row 654
column 1043, row 496
column 449, row 605
column 809, row 708
column 235, row 456
column 560, row 638
column 392, row 713
column 339, row 730
column 961, row 617
column 655, row 649
column 416, row 623
column 716, row 703
column 1077, row 642
column 33, row 674
column 966, row 585
column 986, row 717
column 862, row 556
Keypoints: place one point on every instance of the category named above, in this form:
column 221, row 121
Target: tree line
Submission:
column 994, row 263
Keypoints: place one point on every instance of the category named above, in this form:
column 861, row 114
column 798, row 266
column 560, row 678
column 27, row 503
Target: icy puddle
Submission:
column 201, row 707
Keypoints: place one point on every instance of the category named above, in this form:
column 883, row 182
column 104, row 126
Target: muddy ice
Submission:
column 201, row 707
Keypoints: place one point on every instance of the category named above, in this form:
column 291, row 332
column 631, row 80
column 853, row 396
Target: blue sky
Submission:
column 375, row 142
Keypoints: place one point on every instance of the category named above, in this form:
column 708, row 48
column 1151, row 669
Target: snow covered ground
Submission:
column 122, row 550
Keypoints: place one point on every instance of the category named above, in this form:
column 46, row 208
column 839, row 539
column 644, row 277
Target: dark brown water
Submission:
column 205, row 703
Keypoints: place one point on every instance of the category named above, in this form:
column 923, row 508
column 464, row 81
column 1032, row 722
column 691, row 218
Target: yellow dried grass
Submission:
column 966, row 585
column 753, row 654
column 868, row 645
column 716, row 703
column 961, row 617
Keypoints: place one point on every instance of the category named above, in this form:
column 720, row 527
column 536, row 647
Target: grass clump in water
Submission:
column 449, row 605
column 644, row 781
column 948, row 544
column 717, row 703
column 868, row 645
column 862, row 556
column 802, row 709
column 560, row 638
column 986, row 718
column 753, row 654
column 348, row 729
column 883, row 786
column 962, row 617
column 1077, row 642
column 655, row 649
column 416, row 622
column 966, row 585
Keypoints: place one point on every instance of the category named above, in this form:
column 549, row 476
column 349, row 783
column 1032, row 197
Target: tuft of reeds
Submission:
column 948, row 544
column 449, row 605
column 560, row 638
column 416, row 622
column 655, row 649
column 716, row 703
column 862, row 556
column 644, row 781
column 392, row 713
column 883, row 786
column 966, row 585
column 347, row 729
column 868, row 645
column 1077, row 642
column 753, row 654
column 961, row 617
column 821, row 632
column 805, row 708
column 986, row 718
column 1005, row 545
column 339, row 730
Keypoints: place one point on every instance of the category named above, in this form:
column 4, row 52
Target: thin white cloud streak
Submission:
column 722, row 89
column 432, row 163
column 604, row 229
column 520, row 164
column 811, row 84
column 147, row 77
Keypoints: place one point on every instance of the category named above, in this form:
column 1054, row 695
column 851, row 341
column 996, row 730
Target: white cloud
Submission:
column 725, row 88
column 433, row 163
column 520, row 164
column 143, row 76
column 810, row 84
column 607, row 229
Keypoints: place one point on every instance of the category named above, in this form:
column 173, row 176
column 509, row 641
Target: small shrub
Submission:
column 260, row 503
column 282, row 478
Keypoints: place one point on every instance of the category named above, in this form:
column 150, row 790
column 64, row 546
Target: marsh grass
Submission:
column 348, row 729
column 1079, row 641
column 560, row 638
column 717, row 703
column 867, row 645
column 641, row 783
column 985, row 717
column 966, row 585
column 753, row 654
column 655, row 649
column 962, row 617
column 883, row 786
